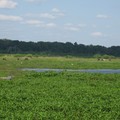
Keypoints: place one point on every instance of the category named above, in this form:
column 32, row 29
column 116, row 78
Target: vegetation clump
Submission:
column 104, row 57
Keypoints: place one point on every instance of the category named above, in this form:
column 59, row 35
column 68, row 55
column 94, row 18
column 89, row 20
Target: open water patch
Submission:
column 104, row 71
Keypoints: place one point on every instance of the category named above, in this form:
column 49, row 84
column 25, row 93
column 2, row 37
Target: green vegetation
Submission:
column 102, row 57
column 61, row 96
column 32, row 61
column 58, row 96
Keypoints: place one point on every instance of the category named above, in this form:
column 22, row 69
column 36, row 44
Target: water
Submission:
column 104, row 71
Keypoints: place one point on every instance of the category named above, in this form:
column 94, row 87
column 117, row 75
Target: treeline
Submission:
column 56, row 48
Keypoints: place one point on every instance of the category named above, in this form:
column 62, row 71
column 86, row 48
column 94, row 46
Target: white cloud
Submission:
column 52, row 14
column 38, row 23
column 68, row 24
column 55, row 10
column 36, row 0
column 50, row 25
column 10, row 18
column 72, row 27
column 47, row 15
column 30, row 0
column 101, row 16
column 47, row 25
column 34, row 22
column 97, row 34
column 7, row 4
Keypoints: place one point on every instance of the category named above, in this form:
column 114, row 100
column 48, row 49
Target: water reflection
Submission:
column 105, row 71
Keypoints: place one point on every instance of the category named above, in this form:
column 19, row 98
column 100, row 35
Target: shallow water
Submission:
column 105, row 71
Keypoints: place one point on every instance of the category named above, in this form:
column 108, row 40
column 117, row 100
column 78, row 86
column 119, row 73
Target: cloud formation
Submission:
column 47, row 15
column 101, row 16
column 34, row 22
column 38, row 23
column 50, row 25
column 97, row 34
column 72, row 27
column 53, row 14
column 10, row 18
column 57, row 12
column 36, row 0
column 7, row 4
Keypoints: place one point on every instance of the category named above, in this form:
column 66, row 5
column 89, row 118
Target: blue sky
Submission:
column 87, row 22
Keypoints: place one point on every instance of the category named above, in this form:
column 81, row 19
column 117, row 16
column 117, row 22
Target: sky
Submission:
column 95, row 22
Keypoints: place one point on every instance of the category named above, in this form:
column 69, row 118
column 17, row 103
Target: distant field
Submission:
column 12, row 63
column 58, row 96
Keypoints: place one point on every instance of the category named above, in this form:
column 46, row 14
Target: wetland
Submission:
column 54, row 95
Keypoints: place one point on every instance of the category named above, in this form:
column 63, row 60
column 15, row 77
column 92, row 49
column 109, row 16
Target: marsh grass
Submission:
column 59, row 96
column 57, row 62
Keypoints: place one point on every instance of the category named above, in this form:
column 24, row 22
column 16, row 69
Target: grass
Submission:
column 59, row 96
column 11, row 62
